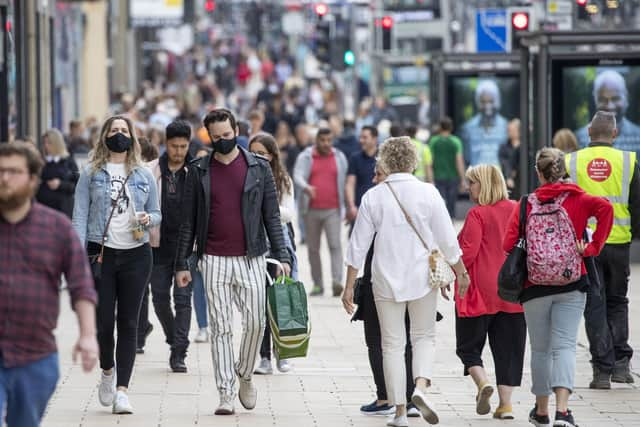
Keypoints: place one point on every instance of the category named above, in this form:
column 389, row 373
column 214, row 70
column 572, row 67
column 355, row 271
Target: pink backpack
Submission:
column 552, row 252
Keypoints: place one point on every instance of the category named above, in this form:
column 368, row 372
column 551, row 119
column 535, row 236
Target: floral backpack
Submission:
column 552, row 251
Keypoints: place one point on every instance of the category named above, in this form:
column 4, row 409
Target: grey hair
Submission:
column 603, row 125
column 398, row 155
column 613, row 77
column 490, row 87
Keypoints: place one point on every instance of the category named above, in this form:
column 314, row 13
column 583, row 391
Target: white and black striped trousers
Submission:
column 239, row 280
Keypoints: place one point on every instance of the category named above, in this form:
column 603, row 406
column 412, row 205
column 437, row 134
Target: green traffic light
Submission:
column 349, row 58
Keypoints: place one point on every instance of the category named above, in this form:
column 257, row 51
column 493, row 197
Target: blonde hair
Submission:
column 55, row 141
column 99, row 156
column 398, row 155
column 565, row 140
column 550, row 164
column 492, row 185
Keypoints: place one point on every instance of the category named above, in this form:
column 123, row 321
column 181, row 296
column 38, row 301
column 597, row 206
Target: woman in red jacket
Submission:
column 481, row 312
column 553, row 310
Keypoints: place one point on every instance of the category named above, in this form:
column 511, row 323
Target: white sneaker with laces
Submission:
column 264, row 368
column 121, row 404
column 248, row 394
column 284, row 365
column 107, row 388
column 202, row 336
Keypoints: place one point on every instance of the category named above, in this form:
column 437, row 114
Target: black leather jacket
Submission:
column 260, row 211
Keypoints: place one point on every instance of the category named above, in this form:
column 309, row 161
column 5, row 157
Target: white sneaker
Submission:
column 121, row 404
column 107, row 388
column 284, row 365
column 248, row 394
column 426, row 408
column 400, row 421
column 264, row 368
column 202, row 336
column 225, row 407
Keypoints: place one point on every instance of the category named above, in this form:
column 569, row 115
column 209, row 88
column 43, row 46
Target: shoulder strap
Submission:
column 407, row 217
column 113, row 209
column 522, row 223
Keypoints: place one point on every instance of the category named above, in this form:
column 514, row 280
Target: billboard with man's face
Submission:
column 481, row 107
column 579, row 90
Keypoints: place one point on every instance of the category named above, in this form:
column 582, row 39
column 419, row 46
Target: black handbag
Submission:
column 513, row 272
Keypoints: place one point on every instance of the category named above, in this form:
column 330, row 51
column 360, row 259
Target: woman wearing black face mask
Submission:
column 115, row 203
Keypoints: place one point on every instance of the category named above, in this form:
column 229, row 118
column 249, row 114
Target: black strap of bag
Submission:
column 522, row 223
column 106, row 227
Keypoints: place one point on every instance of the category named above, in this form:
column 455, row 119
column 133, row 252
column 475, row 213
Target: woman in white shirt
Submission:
column 265, row 145
column 400, row 270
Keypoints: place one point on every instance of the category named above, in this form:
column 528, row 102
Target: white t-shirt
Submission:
column 119, row 234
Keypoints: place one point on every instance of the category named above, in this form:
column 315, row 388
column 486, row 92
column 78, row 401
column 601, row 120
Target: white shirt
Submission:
column 287, row 205
column 119, row 234
column 399, row 270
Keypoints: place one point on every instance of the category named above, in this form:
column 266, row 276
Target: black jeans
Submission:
column 176, row 328
column 607, row 310
column 265, row 347
column 374, row 345
column 449, row 191
column 125, row 274
column 143, row 319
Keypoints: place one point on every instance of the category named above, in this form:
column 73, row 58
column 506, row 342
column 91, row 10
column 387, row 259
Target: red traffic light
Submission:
column 210, row 6
column 520, row 21
column 387, row 22
column 321, row 9
column 582, row 2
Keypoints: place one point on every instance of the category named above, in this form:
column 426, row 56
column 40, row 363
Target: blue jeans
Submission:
column 199, row 298
column 449, row 191
column 553, row 334
column 26, row 390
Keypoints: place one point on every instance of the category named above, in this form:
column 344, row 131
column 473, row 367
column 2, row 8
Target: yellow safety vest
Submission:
column 606, row 172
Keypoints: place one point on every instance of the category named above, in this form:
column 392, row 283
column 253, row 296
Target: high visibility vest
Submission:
column 606, row 172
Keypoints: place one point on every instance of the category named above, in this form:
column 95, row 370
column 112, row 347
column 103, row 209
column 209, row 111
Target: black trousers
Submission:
column 265, row 347
column 143, row 319
column 607, row 311
column 507, row 337
column 176, row 327
column 374, row 345
column 125, row 274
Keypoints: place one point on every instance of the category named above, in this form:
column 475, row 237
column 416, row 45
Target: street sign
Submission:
column 491, row 30
column 156, row 13
column 293, row 23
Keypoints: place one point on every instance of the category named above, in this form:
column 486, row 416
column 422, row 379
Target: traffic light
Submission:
column 323, row 41
column 210, row 6
column 321, row 9
column 387, row 24
column 349, row 58
column 520, row 20
column 581, row 10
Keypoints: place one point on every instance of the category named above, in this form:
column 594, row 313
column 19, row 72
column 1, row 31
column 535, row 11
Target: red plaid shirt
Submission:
column 33, row 255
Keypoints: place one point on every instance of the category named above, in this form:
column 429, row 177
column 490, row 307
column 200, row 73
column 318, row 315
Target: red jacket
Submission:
column 481, row 242
column 580, row 206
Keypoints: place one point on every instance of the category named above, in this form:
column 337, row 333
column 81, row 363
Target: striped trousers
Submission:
column 234, row 280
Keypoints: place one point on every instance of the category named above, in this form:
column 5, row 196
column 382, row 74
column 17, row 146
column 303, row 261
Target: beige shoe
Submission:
column 483, row 405
column 225, row 407
column 248, row 394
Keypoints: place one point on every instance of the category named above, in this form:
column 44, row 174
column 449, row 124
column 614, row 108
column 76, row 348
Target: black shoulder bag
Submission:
column 513, row 272
column 95, row 261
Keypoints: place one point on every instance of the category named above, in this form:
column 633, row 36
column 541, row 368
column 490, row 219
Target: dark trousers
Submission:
column 143, row 319
column 507, row 337
column 449, row 191
column 176, row 327
column 265, row 347
column 607, row 310
column 374, row 345
column 125, row 274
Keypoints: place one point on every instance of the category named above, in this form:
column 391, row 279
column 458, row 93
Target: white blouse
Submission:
column 287, row 205
column 400, row 262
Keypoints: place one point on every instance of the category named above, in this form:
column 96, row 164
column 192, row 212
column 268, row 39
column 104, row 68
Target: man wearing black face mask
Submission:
column 230, row 200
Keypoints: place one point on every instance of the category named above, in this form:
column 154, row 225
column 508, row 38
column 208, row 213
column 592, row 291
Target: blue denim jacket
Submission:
column 93, row 201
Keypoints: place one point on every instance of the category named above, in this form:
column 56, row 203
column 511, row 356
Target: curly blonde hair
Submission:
column 398, row 155
column 99, row 156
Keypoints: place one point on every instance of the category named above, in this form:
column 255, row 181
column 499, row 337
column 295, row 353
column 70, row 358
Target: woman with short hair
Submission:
column 481, row 312
column 399, row 270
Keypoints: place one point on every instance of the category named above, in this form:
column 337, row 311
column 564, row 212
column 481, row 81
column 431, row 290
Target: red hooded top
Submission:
column 580, row 206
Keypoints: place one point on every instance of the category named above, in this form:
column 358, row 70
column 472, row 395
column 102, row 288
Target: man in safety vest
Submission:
column 602, row 170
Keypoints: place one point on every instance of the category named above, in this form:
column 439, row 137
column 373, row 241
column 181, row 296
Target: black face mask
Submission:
column 224, row 146
column 118, row 143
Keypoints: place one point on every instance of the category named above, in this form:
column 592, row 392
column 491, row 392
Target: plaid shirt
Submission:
column 33, row 255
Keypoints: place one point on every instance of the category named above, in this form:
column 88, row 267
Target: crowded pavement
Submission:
column 326, row 389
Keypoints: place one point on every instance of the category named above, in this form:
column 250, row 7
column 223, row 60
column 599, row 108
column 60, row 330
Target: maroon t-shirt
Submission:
column 226, row 229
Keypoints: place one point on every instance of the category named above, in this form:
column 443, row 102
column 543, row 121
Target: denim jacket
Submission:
column 93, row 201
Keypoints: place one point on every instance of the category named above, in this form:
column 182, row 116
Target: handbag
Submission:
column 95, row 261
column 513, row 273
column 440, row 273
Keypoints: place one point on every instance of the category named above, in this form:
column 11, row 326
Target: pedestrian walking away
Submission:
column 37, row 246
column 604, row 171
column 398, row 284
column 116, row 202
column 448, row 164
column 554, row 293
column 230, row 201
column 480, row 313
column 321, row 171
column 361, row 171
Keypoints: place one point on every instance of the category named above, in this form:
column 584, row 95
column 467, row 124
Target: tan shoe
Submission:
column 483, row 405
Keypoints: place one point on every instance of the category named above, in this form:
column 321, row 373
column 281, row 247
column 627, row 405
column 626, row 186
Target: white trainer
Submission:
column 225, row 407
column 264, row 367
column 400, row 421
column 248, row 394
column 107, row 388
column 121, row 404
column 202, row 336
column 425, row 407
column 284, row 365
